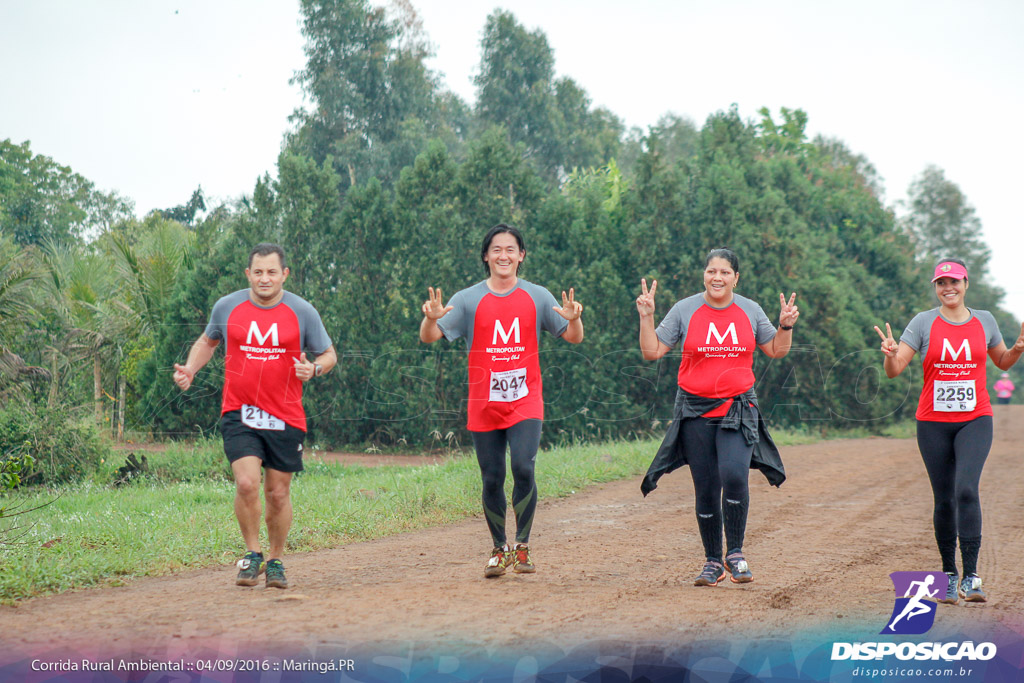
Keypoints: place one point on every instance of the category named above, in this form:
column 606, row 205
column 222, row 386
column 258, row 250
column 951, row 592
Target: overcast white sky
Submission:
column 154, row 98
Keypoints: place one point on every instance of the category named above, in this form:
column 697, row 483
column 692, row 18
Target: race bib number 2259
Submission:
column 955, row 396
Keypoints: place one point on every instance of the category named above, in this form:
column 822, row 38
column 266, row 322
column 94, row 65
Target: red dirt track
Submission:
column 611, row 565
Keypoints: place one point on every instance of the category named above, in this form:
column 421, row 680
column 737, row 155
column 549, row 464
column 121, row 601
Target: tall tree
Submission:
column 943, row 223
column 591, row 136
column 515, row 88
column 41, row 200
column 367, row 81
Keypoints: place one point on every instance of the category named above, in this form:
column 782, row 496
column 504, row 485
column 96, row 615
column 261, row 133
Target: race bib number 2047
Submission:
column 955, row 396
column 508, row 386
column 257, row 418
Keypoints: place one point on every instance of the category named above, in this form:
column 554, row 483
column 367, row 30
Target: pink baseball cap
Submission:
column 950, row 269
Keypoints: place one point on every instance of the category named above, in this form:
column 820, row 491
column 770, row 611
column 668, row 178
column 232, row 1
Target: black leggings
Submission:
column 954, row 454
column 523, row 440
column 719, row 461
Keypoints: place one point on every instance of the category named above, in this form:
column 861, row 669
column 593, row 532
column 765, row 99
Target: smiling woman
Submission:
column 717, row 427
column 954, row 414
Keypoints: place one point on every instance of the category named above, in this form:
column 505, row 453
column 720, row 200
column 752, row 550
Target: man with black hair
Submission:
column 501, row 319
column 267, row 332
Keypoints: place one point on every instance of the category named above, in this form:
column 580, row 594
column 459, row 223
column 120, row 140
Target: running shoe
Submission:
column 712, row 573
column 521, row 562
column 737, row 566
column 275, row 574
column 501, row 557
column 970, row 589
column 951, row 597
column 249, row 569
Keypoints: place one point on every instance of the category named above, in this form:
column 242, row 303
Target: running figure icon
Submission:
column 916, row 605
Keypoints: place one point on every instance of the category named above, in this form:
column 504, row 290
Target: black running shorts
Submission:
column 279, row 450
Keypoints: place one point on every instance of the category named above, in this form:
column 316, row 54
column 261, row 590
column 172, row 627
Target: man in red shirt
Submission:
column 501, row 319
column 267, row 332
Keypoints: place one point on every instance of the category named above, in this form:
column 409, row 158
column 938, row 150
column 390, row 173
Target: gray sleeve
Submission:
column 453, row 323
column 673, row 326
column 993, row 337
column 548, row 318
column 764, row 330
column 316, row 338
column 216, row 329
column 915, row 334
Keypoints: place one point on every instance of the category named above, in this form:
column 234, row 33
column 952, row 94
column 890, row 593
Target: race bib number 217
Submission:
column 257, row 418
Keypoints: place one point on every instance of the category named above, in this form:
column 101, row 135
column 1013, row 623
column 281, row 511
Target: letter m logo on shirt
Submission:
column 965, row 348
column 499, row 330
column 729, row 332
column 261, row 339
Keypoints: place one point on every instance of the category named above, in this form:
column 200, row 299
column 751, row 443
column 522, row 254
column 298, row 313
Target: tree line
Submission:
column 385, row 185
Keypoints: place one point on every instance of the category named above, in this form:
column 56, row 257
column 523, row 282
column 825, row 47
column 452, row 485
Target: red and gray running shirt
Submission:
column 262, row 345
column 718, row 345
column 502, row 334
column 954, row 364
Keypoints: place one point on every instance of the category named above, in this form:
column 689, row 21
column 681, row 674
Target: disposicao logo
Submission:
column 914, row 613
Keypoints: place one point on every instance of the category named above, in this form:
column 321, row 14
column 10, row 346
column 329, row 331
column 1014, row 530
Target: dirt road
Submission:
column 612, row 566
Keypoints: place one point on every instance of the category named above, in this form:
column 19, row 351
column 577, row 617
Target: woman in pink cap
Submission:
column 954, row 414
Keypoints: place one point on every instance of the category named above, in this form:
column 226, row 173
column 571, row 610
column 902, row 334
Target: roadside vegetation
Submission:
column 176, row 513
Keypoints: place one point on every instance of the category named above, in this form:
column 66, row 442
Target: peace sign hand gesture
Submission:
column 789, row 314
column 889, row 345
column 571, row 309
column 432, row 307
column 645, row 302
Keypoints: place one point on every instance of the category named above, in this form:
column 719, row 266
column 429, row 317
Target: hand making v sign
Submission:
column 889, row 345
column 645, row 302
column 433, row 309
column 571, row 309
column 789, row 314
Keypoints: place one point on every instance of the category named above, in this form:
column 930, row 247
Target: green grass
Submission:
column 180, row 513
column 99, row 535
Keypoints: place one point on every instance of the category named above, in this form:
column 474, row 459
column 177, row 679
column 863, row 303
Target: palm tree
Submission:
column 78, row 281
column 148, row 273
column 148, row 270
column 19, row 274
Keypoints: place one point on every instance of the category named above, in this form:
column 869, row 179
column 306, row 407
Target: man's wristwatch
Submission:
column 317, row 369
